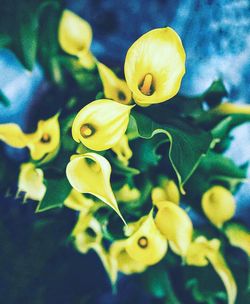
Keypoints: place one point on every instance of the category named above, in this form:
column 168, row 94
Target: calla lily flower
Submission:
column 174, row 223
column 146, row 245
column 75, row 37
column 127, row 194
column 90, row 173
column 167, row 192
column 88, row 235
column 122, row 150
column 154, row 66
column 219, row 205
column 122, row 262
column 201, row 252
column 45, row 140
column 239, row 236
column 30, row 181
column 114, row 87
column 101, row 124
column 77, row 201
column 228, row 108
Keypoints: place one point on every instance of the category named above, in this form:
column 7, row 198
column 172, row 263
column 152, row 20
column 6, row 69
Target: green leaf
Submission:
column 187, row 143
column 215, row 93
column 5, row 40
column 119, row 168
column 57, row 191
column 3, row 99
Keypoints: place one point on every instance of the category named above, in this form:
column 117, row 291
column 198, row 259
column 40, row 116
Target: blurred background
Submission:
column 216, row 36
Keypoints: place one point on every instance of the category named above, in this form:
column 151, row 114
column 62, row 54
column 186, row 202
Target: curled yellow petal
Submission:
column 101, row 124
column 147, row 245
column 74, row 34
column 239, row 236
column 219, row 205
column 154, row 66
column 201, row 251
column 12, row 135
column 114, row 87
column 30, row 181
column 90, row 173
column 122, row 150
column 46, row 139
column 228, row 108
column 174, row 223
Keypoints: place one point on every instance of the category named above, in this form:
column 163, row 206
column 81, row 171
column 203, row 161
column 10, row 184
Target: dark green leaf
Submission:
column 215, row 93
column 3, row 99
column 57, row 191
column 187, row 144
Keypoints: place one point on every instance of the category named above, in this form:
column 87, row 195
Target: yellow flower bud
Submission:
column 122, row 150
column 239, row 236
column 154, row 66
column 167, row 192
column 75, row 37
column 114, row 88
column 228, row 108
column 101, row 124
column 127, row 194
column 30, row 181
column 219, row 205
column 174, row 223
column 147, row 245
column 44, row 141
column 90, row 173
column 202, row 251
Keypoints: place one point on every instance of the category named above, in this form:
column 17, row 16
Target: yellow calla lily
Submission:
column 228, row 108
column 154, row 66
column 127, row 194
column 219, row 205
column 122, row 262
column 101, row 124
column 75, row 37
column 90, row 173
column 146, row 245
column 239, row 236
column 88, row 235
column 202, row 251
column 114, row 87
column 174, row 223
column 77, row 201
column 45, row 140
column 48, row 132
column 30, row 181
column 167, row 192
column 122, row 150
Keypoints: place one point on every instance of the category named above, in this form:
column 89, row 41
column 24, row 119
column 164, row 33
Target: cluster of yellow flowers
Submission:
column 154, row 67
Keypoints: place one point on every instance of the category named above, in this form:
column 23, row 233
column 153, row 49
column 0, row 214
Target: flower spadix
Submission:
column 114, row 87
column 201, row 252
column 101, row 124
column 146, row 245
column 75, row 37
column 219, row 205
column 154, row 66
column 90, row 173
column 30, row 181
column 45, row 140
column 174, row 223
